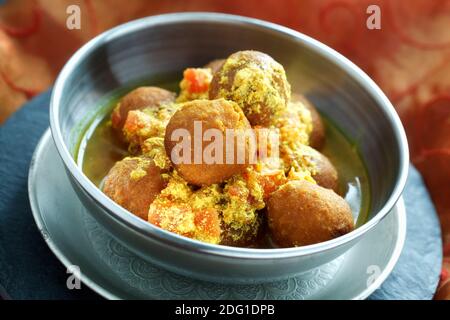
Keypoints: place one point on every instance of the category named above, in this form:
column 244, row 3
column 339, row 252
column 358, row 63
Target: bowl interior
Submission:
column 143, row 50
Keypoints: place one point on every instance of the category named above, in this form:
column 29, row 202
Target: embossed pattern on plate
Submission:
column 161, row 284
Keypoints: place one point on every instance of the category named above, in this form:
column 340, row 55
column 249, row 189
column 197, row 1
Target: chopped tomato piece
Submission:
column 198, row 82
column 270, row 182
column 234, row 191
column 208, row 223
column 137, row 127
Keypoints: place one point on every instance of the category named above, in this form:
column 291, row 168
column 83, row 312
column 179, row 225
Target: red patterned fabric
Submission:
column 409, row 58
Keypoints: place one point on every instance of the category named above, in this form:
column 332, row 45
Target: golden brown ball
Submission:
column 215, row 65
column 256, row 82
column 134, row 183
column 326, row 174
column 317, row 136
column 323, row 172
column 140, row 98
column 209, row 166
column 302, row 213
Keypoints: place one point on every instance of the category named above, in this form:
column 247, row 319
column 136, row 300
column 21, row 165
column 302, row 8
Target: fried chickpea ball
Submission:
column 302, row 213
column 325, row 174
column 138, row 99
column 134, row 183
column 202, row 162
column 317, row 135
column 307, row 162
column 321, row 168
column 256, row 82
column 215, row 65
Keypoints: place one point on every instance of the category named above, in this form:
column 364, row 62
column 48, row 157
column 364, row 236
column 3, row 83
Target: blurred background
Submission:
column 409, row 58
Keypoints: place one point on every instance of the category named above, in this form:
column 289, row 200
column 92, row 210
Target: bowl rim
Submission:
column 144, row 228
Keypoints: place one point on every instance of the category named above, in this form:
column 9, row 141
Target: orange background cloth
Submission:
column 409, row 58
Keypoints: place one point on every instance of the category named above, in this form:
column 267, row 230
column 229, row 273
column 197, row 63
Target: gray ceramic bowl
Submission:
column 166, row 44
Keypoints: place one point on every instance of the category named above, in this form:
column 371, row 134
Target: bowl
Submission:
column 166, row 44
